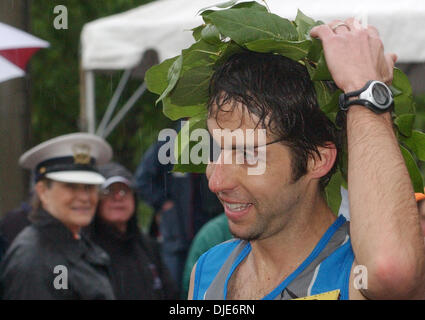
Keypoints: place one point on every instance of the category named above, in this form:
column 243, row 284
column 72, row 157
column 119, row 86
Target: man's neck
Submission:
column 274, row 258
column 295, row 241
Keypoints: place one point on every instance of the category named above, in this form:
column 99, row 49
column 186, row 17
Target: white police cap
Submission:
column 70, row 158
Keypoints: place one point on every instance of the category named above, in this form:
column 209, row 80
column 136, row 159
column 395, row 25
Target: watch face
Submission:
column 380, row 94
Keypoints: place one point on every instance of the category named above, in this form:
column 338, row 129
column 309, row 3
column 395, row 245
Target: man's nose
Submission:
column 221, row 176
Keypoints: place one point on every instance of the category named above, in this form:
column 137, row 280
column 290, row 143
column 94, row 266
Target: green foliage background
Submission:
column 420, row 123
column 55, row 93
column 55, row 96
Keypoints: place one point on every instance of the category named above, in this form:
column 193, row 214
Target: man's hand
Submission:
column 354, row 54
column 384, row 227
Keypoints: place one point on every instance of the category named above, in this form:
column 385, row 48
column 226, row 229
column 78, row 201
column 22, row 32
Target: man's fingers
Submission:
column 322, row 32
column 373, row 31
column 355, row 24
column 393, row 57
column 390, row 59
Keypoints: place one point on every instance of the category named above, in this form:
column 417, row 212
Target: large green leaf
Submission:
column 252, row 5
column 315, row 50
column 396, row 92
column 200, row 54
column 247, row 24
column 222, row 5
column 249, row 4
column 333, row 192
column 321, row 72
column 156, row 77
column 228, row 50
column 405, row 123
column 401, row 82
column 332, row 106
column 174, row 112
column 183, row 146
column 211, row 34
column 197, row 32
column 304, row 25
column 192, row 89
column 403, row 103
column 416, row 143
column 295, row 50
column 172, row 77
column 323, row 93
column 414, row 172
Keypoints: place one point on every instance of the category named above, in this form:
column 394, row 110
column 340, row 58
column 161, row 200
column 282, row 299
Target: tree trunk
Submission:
column 14, row 118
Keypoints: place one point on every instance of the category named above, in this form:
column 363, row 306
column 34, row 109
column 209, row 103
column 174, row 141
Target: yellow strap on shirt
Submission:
column 330, row 295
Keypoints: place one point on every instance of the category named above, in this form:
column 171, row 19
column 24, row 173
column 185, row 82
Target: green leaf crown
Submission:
column 182, row 82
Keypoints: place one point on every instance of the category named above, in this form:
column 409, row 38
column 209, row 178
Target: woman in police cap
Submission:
column 50, row 259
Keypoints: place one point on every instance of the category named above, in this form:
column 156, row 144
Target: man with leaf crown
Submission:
column 322, row 96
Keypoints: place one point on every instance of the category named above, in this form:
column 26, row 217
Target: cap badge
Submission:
column 81, row 153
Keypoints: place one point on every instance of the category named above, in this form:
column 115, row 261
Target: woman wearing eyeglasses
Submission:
column 137, row 269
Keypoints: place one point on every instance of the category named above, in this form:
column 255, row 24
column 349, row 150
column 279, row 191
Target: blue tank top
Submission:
column 326, row 269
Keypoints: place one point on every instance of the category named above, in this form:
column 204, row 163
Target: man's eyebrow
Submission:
column 234, row 147
column 263, row 145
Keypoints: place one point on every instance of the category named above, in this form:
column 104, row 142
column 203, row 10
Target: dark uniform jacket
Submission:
column 13, row 222
column 137, row 271
column 45, row 261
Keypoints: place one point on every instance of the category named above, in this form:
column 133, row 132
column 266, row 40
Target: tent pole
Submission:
column 113, row 103
column 120, row 115
column 82, row 123
column 90, row 101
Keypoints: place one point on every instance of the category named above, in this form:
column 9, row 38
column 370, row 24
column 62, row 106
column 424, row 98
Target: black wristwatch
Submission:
column 375, row 95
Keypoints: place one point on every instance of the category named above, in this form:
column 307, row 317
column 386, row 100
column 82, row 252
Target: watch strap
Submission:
column 358, row 92
column 361, row 102
column 345, row 102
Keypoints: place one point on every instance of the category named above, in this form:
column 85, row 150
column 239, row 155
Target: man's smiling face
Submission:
column 257, row 206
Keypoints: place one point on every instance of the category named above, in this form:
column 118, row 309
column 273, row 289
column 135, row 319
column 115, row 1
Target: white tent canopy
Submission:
column 119, row 41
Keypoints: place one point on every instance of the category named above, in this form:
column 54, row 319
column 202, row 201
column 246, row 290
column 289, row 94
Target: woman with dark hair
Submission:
column 137, row 269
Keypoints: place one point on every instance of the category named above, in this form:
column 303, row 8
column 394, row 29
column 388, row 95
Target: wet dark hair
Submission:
column 280, row 93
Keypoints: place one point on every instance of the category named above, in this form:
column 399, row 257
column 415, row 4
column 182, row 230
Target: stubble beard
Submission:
column 262, row 227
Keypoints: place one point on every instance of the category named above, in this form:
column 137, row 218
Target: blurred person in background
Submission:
column 15, row 220
column 137, row 271
column 51, row 259
column 182, row 204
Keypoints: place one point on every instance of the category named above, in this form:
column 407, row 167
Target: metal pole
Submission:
column 118, row 117
column 113, row 102
column 90, row 101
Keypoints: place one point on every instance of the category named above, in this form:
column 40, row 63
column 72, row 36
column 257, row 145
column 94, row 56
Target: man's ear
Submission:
column 320, row 166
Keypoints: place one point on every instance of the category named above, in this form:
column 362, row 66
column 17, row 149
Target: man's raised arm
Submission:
column 385, row 227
